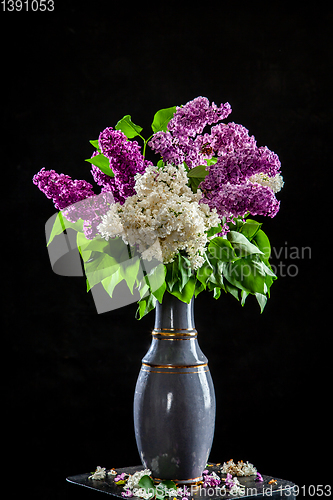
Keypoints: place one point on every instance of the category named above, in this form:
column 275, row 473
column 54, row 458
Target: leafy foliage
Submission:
column 162, row 118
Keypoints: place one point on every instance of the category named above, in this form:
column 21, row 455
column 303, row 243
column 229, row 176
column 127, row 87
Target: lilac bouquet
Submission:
column 184, row 225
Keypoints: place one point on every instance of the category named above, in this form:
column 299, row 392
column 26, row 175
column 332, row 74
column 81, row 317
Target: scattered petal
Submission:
column 99, row 474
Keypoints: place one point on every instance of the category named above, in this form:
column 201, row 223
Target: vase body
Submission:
column 174, row 402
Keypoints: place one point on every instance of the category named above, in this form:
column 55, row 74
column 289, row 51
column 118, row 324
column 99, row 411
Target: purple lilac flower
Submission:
column 91, row 211
column 210, row 480
column 226, row 137
column 238, row 166
column 235, row 200
column 228, row 481
column 127, row 494
column 107, row 183
column 259, row 477
column 126, row 160
column 178, row 144
column 192, row 118
column 227, row 187
column 120, row 477
column 61, row 188
column 75, row 199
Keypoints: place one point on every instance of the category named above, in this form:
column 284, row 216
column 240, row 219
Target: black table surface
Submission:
column 253, row 488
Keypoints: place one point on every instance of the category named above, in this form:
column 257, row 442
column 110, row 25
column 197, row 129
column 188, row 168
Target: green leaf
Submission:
column 262, row 300
column 247, row 274
column 146, row 305
column 211, row 161
column 199, row 287
column 214, row 230
column 159, row 293
column 194, row 183
column 102, row 163
column 98, row 268
column 81, row 243
column 196, row 175
column 244, row 295
column 263, row 243
column 156, row 280
column 162, row 118
column 98, row 244
column 171, row 277
column 199, row 171
column 130, row 271
column 233, row 290
column 184, row 267
column 61, row 224
column 163, row 489
column 118, row 249
column 95, row 144
column 221, row 249
column 204, row 272
column 250, row 228
column 147, row 483
column 186, row 294
column 128, row 127
column 111, row 281
column 171, row 485
column 242, row 245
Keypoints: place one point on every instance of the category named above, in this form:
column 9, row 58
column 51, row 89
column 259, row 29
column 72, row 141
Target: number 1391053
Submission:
column 27, row 5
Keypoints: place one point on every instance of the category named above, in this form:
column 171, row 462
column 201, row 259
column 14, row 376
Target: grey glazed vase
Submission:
column 174, row 402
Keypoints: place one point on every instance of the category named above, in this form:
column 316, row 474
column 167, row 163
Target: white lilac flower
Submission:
column 133, row 479
column 132, row 488
column 239, row 469
column 276, row 183
column 99, row 474
column 249, row 469
column 236, row 488
column 164, row 217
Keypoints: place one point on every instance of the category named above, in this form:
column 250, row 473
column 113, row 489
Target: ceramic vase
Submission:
column 174, row 402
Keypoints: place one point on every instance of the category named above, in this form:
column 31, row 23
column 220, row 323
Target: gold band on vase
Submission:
column 175, row 332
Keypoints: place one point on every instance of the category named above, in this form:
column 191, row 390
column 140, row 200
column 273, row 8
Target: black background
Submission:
column 71, row 373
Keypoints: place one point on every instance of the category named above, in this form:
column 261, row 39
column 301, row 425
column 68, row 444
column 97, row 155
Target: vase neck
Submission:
column 174, row 315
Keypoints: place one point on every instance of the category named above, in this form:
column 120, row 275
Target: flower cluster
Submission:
column 100, row 473
column 163, row 217
column 233, row 486
column 192, row 118
column 132, row 487
column 77, row 196
column 212, row 175
column 243, row 178
column 61, row 188
column 210, row 480
column 178, row 144
column 125, row 160
column 239, row 469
